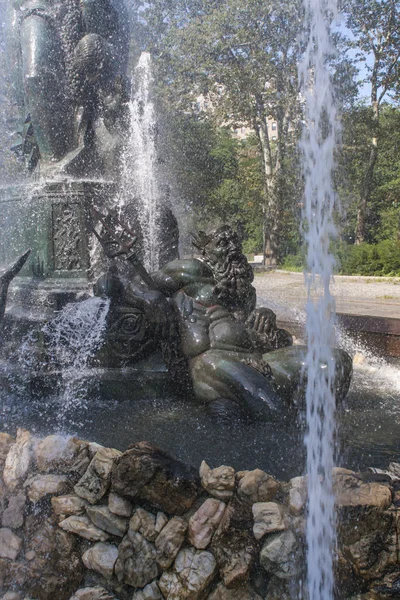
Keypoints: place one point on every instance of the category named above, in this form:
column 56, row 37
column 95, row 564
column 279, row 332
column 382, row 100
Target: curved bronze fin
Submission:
column 6, row 279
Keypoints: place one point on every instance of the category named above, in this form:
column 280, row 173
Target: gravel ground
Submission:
column 285, row 292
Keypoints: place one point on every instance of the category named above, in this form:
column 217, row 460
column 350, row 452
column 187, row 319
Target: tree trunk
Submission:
column 361, row 228
column 366, row 188
column 271, row 224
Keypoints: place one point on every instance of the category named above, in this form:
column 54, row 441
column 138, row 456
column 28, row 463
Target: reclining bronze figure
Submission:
column 204, row 310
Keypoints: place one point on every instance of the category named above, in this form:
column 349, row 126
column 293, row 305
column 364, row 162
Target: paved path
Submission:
column 367, row 296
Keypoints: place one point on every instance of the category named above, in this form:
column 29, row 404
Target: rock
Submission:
column 92, row 593
column 68, row 505
column 342, row 471
column 106, row 520
column 245, row 592
column 256, row 486
column 234, row 545
column 83, row 527
column 394, row 468
column 297, row 495
column 61, row 453
column 18, row 460
column 13, row 515
column 95, row 482
column 94, row 447
column 235, row 551
column 238, row 514
column 219, row 482
column 150, row 592
column 46, row 485
column 284, row 589
column 373, row 554
column 351, row 491
column 12, row 596
column 136, row 564
column 161, row 521
column 387, row 588
column 6, row 441
column 367, row 544
column 145, row 523
column 119, row 506
column 10, row 544
column 148, row 524
column 169, row 541
column 193, row 572
column 279, row 555
column 145, row 472
column 204, row 523
column 3, row 496
column 56, row 570
column 13, row 574
column 101, row 558
column 268, row 518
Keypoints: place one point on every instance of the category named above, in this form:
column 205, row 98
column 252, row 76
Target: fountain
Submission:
column 140, row 162
column 318, row 148
column 110, row 335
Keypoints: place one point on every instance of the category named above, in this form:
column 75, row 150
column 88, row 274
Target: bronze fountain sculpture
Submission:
column 6, row 278
column 202, row 313
column 199, row 313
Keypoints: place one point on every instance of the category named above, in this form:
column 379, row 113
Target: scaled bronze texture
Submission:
column 72, row 78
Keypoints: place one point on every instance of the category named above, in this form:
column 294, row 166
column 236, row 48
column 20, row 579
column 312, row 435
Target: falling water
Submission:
column 72, row 339
column 318, row 149
column 139, row 176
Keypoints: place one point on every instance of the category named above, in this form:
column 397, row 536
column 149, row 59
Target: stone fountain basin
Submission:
column 119, row 408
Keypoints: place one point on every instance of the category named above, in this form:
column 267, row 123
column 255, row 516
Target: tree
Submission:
column 245, row 54
column 217, row 178
column 382, row 220
column 375, row 25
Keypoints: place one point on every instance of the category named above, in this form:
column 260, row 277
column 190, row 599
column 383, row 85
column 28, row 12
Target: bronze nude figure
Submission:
column 202, row 310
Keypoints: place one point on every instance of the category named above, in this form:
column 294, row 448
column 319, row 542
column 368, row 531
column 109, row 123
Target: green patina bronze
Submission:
column 73, row 58
column 201, row 313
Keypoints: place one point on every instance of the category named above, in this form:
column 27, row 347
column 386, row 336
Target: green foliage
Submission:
column 241, row 58
column 375, row 27
column 382, row 219
column 294, row 262
column 376, row 42
column 382, row 259
column 218, row 178
column 370, row 259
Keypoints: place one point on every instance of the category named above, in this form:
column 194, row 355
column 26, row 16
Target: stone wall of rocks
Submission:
column 83, row 522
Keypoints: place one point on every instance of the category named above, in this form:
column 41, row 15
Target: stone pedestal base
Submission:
column 52, row 219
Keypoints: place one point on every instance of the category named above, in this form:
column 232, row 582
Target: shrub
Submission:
column 381, row 259
column 293, row 262
column 369, row 259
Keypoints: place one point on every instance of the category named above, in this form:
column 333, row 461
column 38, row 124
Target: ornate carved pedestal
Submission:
column 51, row 218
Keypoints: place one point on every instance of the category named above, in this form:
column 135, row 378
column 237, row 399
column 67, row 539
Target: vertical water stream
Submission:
column 139, row 170
column 318, row 145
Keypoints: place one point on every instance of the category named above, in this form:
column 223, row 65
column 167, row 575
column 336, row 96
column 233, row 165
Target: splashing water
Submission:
column 318, row 150
column 139, row 164
column 73, row 338
column 371, row 371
